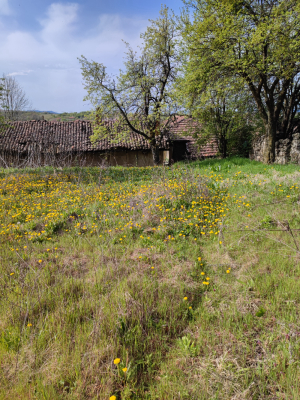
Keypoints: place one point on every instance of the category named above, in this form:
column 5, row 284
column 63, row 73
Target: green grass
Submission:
column 98, row 265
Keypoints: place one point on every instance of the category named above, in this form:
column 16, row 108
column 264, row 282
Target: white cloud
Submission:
column 4, row 7
column 20, row 73
column 60, row 22
column 46, row 61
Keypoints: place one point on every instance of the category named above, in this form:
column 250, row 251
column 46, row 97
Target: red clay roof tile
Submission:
column 66, row 136
column 75, row 136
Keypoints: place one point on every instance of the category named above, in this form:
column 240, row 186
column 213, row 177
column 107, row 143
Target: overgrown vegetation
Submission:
column 150, row 283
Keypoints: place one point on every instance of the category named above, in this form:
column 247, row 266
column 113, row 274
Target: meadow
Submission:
column 164, row 283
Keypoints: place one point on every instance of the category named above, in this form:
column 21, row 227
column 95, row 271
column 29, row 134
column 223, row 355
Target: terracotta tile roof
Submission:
column 184, row 128
column 65, row 136
column 75, row 136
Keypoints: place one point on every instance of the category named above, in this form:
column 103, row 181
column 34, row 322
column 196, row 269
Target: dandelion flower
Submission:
column 202, row 273
column 40, row 261
column 112, row 398
column 12, row 273
column 228, row 271
column 29, row 325
column 117, row 361
column 185, row 298
column 124, row 369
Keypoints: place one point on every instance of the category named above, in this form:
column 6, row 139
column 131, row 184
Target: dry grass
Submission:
column 103, row 288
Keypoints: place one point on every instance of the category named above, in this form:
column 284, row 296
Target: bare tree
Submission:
column 13, row 99
column 3, row 123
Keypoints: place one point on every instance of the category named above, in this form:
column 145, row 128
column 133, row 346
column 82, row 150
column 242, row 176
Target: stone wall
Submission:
column 286, row 150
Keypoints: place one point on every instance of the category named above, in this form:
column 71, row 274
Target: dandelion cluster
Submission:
column 38, row 208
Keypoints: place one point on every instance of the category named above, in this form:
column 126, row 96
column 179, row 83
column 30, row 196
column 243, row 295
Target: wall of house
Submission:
column 134, row 158
column 96, row 158
column 285, row 150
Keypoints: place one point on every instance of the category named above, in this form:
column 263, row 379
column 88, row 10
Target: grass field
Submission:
column 180, row 282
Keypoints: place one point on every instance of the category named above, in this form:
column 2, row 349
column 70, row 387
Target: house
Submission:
column 184, row 128
column 34, row 143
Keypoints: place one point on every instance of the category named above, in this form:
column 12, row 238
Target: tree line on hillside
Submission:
column 15, row 106
column 233, row 65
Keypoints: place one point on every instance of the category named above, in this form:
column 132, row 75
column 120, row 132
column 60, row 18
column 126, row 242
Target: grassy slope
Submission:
column 97, row 266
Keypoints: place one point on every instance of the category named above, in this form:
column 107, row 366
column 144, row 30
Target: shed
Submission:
column 37, row 143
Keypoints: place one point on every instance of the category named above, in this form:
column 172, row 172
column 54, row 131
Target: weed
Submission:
column 188, row 275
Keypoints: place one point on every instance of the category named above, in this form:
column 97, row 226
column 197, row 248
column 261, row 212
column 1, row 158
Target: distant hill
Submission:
column 53, row 116
column 47, row 112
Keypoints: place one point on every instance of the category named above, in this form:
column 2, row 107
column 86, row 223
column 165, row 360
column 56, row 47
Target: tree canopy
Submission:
column 256, row 42
column 140, row 99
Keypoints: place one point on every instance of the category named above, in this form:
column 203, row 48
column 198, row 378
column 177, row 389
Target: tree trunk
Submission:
column 225, row 149
column 269, row 152
column 223, row 142
column 155, row 151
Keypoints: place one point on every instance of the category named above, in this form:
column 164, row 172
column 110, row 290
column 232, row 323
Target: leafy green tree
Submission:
column 140, row 99
column 290, row 110
column 256, row 41
column 224, row 112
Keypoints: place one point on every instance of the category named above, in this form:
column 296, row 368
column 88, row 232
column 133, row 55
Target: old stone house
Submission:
column 184, row 128
column 34, row 143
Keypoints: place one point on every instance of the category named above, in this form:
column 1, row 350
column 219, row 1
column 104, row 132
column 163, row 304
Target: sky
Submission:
column 40, row 41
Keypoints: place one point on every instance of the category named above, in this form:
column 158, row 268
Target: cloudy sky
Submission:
column 40, row 41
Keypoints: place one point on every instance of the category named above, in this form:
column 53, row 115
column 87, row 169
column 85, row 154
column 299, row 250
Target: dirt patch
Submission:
column 75, row 266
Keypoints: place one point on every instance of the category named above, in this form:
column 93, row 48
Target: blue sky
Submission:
column 40, row 41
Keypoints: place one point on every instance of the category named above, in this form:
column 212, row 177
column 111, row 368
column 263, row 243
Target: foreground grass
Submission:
column 150, row 283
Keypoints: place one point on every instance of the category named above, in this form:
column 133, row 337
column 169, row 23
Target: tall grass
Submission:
column 150, row 283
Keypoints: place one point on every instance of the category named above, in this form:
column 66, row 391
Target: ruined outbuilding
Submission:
column 35, row 143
